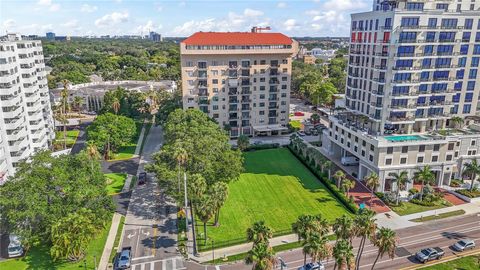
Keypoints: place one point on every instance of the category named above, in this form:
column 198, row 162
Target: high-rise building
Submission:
column 412, row 90
column 26, row 122
column 155, row 37
column 240, row 79
column 50, row 36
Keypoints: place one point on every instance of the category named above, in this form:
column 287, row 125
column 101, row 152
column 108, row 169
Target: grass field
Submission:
column 39, row 257
column 115, row 182
column 276, row 188
column 465, row 263
column 408, row 208
column 71, row 138
column 127, row 151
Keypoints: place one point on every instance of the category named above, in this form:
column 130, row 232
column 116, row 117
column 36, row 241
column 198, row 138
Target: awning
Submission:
column 269, row 128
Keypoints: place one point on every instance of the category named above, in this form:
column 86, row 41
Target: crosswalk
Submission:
column 175, row 263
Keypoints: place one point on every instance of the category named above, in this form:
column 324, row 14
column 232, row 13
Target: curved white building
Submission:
column 26, row 121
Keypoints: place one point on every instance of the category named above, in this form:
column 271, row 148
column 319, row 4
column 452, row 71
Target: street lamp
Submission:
column 213, row 252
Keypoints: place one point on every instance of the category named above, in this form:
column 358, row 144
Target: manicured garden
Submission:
column 407, row 208
column 465, row 263
column 115, row 182
column 275, row 187
column 71, row 138
column 39, row 257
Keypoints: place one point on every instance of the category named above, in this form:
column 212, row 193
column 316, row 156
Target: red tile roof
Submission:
column 237, row 38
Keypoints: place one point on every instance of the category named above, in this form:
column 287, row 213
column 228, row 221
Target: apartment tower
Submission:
column 240, row 79
column 412, row 90
column 26, row 122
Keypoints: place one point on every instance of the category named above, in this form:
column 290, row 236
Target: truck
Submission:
column 123, row 259
column 429, row 254
column 15, row 248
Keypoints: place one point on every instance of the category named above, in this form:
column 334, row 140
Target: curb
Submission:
column 446, row 259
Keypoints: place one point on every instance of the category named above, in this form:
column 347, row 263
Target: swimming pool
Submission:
column 402, row 138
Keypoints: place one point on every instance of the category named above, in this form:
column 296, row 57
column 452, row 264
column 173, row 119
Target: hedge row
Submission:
column 352, row 207
column 262, row 146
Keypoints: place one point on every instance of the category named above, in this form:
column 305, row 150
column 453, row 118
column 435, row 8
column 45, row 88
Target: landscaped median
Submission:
column 467, row 261
column 439, row 216
column 275, row 187
column 115, row 182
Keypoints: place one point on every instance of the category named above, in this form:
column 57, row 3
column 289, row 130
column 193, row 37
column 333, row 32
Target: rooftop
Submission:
column 237, row 38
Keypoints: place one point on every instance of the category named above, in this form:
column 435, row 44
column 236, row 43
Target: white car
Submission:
column 313, row 266
column 464, row 245
column 15, row 248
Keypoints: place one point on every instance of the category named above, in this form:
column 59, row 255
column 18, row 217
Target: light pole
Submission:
column 213, row 252
column 186, row 203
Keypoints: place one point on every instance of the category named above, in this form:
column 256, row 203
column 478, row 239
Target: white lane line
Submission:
column 144, row 257
column 174, row 263
column 164, row 265
column 138, row 240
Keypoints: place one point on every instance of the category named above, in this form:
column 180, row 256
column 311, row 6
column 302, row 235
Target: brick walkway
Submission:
column 447, row 196
column 361, row 194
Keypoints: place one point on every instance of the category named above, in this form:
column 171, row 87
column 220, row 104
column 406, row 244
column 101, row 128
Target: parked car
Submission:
column 464, row 245
column 142, row 178
column 123, row 259
column 301, row 133
column 15, row 248
column 312, row 266
column 298, row 114
column 429, row 254
column 308, row 132
column 350, row 161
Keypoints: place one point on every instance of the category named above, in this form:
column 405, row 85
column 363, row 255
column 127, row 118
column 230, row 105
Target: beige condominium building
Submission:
column 241, row 79
column 412, row 90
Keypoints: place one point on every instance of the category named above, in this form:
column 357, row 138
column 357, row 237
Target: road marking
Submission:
column 138, row 240
column 131, row 235
column 217, row 267
column 154, row 251
column 164, row 265
column 140, row 258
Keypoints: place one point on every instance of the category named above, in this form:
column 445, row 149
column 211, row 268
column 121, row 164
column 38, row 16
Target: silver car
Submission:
column 464, row 245
column 313, row 266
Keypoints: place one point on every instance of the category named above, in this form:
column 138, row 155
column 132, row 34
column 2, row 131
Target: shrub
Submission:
column 471, row 194
column 380, row 195
column 263, row 146
column 455, row 183
column 412, row 191
column 423, row 203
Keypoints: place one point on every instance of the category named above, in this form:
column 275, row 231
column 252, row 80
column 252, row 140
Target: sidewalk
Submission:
column 107, row 249
column 139, row 142
column 228, row 251
column 126, row 186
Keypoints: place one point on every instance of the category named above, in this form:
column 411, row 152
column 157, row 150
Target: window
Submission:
column 467, row 108
column 434, row 158
column 404, row 63
column 468, row 23
column 436, row 147
column 473, row 143
column 472, row 74
column 409, row 21
column 445, row 49
column 477, row 37
column 449, row 157
column 466, row 36
column 404, row 149
column 449, row 23
column 476, row 49
column 442, row 6
column 430, row 37
column 446, row 36
column 451, row 146
column 389, row 150
column 414, row 6
column 464, row 49
column 403, row 160
column 428, row 49
column 421, row 148
column 475, row 61
column 419, row 159
column 408, row 36
column 462, row 61
column 470, row 85
column 427, row 62
column 388, row 161
column 432, row 22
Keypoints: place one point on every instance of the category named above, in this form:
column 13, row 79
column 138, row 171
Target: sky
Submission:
column 177, row 18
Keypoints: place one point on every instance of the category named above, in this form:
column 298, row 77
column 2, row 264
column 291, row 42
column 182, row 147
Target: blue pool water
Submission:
column 401, row 138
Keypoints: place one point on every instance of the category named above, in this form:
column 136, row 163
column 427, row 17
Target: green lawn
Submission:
column 276, row 188
column 465, row 263
column 115, row 182
column 296, row 124
column 440, row 216
column 71, row 138
column 408, row 208
column 127, row 151
column 39, row 257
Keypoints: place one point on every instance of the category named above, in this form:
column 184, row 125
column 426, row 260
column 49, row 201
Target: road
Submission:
column 150, row 224
column 441, row 233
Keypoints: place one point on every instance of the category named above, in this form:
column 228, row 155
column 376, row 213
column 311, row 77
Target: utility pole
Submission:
column 186, row 203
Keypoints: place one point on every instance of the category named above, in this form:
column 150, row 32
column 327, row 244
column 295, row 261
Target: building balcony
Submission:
column 395, row 119
column 13, row 112
column 402, row 107
column 377, row 93
column 375, row 104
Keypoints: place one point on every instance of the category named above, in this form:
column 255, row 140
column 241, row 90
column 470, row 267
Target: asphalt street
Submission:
column 442, row 233
column 150, row 224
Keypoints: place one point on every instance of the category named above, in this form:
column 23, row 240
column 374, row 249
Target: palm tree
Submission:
column 261, row 256
column 343, row 254
column 348, row 184
column 64, row 101
column 116, row 105
column 205, row 211
column 259, row 232
column 219, row 194
column 92, row 153
column 317, row 247
column 472, row 169
column 328, row 164
column 339, row 177
column 343, row 228
column 386, row 242
column 303, row 226
column 372, row 181
column 77, row 102
column 365, row 228
column 401, row 179
column 321, row 225
column 425, row 176
column 457, row 121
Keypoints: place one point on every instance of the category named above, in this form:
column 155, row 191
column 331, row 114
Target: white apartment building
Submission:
column 26, row 122
column 412, row 68
column 240, row 79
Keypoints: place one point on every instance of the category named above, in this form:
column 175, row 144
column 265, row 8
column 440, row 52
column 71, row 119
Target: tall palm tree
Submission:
column 77, row 102
column 386, row 242
column 259, row 232
column 365, row 229
column 205, row 211
column 425, row 176
column 372, row 181
column 64, row 101
column 401, row 179
column 343, row 228
column 116, row 105
column 343, row 254
column 303, row 226
column 317, row 247
column 261, row 256
column 321, row 225
column 457, row 121
column 347, row 185
column 328, row 164
column 219, row 194
column 339, row 177
column 472, row 169
column 92, row 153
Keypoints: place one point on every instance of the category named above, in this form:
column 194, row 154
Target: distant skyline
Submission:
column 177, row 18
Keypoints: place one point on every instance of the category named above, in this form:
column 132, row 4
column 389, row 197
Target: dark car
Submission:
column 142, row 178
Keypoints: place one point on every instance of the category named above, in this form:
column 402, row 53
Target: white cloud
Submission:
column 281, row 5
column 54, row 7
column 159, row 8
column 290, row 24
column 48, row 4
column 9, row 24
column 312, row 12
column 112, row 19
column 88, row 8
column 146, row 28
column 341, row 5
column 44, row 2
column 71, row 24
column 252, row 12
column 182, row 4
